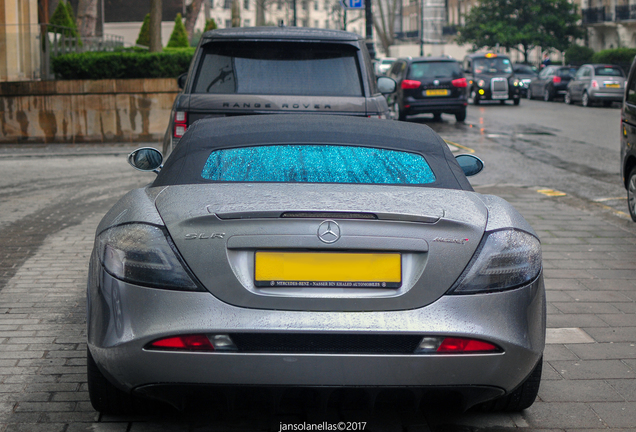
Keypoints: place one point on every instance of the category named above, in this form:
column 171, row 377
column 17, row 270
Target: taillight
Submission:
column 453, row 345
column 460, row 82
column 180, row 123
column 594, row 84
column 556, row 79
column 195, row 342
column 410, row 84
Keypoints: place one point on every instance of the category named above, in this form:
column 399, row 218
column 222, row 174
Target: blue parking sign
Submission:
column 352, row 4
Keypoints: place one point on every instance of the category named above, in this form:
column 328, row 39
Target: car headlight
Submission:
column 504, row 260
column 143, row 255
column 481, row 83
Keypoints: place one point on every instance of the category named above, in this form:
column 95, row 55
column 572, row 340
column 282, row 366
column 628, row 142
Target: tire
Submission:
column 547, row 95
column 568, row 98
column 607, row 104
column 520, row 398
column 474, row 96
column 437, row 117
column 529, row 93
column 631, row 193
column 502, row 102
column 585, row 100
column 398, row 114
column 460, row 116
column 105, row 397
column 516, row 101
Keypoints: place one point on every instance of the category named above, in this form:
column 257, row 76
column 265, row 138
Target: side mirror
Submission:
column 470, row 164
column 386, row 85
column 181, row 81
column 146, row 159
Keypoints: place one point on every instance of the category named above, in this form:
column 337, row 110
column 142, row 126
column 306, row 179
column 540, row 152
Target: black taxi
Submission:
column 491, row 77
column 628, row 141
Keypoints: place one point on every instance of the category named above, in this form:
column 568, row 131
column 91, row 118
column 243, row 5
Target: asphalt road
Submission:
column 551, row 145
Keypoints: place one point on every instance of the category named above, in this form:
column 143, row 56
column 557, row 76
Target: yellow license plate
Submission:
column 442, row 92
column 328, row 269
column 612, row 85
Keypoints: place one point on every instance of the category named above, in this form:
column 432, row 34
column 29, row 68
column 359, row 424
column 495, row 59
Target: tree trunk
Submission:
column 155, row 26
column 260, row 13
column 86, row 17
column 236, row 13
column 192, row 15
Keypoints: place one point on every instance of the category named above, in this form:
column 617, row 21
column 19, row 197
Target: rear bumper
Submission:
column 435, row 105
column 116, row 339
column 607, row 96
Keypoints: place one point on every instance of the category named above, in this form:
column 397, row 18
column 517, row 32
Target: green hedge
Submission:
column 622, row 57
column 108, row 65
column 578, row 55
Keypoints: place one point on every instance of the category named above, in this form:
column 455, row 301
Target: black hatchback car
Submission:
column 490, row 77
column 428, row 85
column 551, row 83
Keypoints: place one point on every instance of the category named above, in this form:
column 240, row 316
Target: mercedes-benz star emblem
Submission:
column 329, row 231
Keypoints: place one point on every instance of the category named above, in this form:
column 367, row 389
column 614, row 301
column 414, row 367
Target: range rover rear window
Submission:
column 279, row 68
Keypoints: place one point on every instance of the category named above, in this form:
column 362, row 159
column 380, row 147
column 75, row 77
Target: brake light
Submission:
column 195, row 342
column 556, row 79
column 410, row 84
column 180, row 123
column 461, row 345
column 594, row 84
column 460, row 82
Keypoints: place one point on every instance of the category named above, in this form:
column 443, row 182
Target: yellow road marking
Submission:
column 551, row 192
column 469, row 150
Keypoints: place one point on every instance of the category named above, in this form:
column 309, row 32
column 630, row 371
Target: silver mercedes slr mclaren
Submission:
column 313, row 251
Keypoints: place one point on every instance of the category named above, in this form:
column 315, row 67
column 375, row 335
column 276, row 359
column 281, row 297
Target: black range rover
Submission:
column 270, row 70
column 490, row 77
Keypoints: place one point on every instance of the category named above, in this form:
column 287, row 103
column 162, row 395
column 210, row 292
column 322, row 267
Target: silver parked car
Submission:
column 596, row 83
column 313, row 251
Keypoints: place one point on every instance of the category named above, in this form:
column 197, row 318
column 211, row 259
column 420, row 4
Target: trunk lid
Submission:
column 217, row 228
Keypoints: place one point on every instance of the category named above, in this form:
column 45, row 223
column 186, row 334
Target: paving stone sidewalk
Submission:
column 589, row 381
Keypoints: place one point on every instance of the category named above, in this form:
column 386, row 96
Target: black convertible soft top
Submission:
column 185, row 164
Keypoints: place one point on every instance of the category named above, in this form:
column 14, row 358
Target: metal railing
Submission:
column 596, row 15
column 26, row 50
column 625, row 12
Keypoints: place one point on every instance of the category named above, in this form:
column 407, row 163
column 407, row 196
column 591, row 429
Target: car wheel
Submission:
column 529, row 93
column 460, row 116
column 437, row 117
column 502, row 102
column 105, row 397
column 547, row 96
column 568, row 98
column 520, row 398
column 607, row 103
column 516, row 101
column 474, row 96
column 585, row 100
column 631, row 193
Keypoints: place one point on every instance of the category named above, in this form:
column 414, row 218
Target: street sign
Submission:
column 352, row 4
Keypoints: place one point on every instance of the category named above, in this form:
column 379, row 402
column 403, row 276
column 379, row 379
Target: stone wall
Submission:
column 125, row 110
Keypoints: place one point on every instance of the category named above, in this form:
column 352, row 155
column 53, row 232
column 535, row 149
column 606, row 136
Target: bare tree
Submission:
column 192, row 14
column 86, row 17
column 261, row 5
column 155, row 26
column 384, row 21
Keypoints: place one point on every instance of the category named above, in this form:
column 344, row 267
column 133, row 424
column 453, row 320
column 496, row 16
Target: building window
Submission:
column 247, row 23
column 326, row 5
column 316, row 6
column 305, row 23
column 211, row 4
column 228, row 23
column 305, row 5
column 246, row 4
column 326, row 24
column 280, row 4
column 316, row 24
column 227, row 4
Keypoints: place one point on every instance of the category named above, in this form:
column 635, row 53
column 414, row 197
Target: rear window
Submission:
column 317, row 164
column 566, row 72
column 279, row 68
column 608, row 71
column 422, row 70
